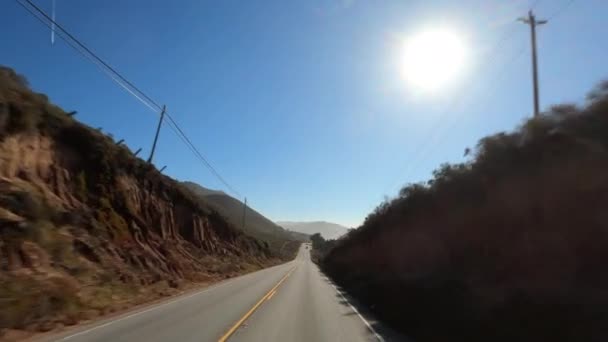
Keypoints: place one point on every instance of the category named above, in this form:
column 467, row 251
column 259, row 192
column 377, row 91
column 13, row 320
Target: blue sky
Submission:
column 300, row 105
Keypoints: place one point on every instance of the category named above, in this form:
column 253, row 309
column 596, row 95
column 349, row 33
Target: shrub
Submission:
column 510, row 246
column 50, row 298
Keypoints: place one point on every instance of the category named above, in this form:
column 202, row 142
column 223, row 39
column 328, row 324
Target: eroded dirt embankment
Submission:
column 86, row 228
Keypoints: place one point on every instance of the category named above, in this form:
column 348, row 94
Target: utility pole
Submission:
column 533, row 22
column 244, row 212
column 160, row 122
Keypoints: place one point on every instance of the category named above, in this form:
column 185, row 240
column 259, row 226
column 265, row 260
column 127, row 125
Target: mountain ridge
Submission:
column 256, row 224
column 328, row 230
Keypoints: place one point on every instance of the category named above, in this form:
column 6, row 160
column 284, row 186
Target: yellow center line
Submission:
column 272, row 294
column 269, row 294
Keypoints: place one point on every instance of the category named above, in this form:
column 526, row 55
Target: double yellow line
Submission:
column 267, row 296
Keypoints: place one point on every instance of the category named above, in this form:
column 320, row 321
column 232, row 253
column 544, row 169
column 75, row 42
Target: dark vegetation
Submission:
column 281, row 242
column 320, row 247
column 509, row 246
column 86, row 228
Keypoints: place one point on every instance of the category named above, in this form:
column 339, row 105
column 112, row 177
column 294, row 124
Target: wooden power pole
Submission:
column 160, row 122
column 533, row 22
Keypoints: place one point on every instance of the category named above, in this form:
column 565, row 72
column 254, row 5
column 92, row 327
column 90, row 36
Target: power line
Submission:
column 561, row 9
column 437, row 138
column 420, row 156
column 91, row 58
column 124, row 83
column 91, row 53
column 439, row 134
column 202, row 158
column 424, row 152
column 535, row 3
column 521, row 51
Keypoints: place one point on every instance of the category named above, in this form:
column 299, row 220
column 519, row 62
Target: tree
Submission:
column 317, row 241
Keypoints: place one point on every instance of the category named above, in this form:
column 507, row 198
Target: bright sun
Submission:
column 431, row 59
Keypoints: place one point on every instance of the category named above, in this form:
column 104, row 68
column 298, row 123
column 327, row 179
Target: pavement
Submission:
column 289, row 302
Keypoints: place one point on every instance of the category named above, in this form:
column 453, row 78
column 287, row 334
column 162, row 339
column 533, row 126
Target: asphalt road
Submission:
column 290, row 302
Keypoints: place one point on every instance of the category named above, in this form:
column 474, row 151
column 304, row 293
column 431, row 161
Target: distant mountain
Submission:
column 327, row 229
column 256, row 224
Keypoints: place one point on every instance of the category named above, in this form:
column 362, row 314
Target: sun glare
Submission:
column 431, row 59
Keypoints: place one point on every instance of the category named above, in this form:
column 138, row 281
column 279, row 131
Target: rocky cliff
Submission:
column 86, row 227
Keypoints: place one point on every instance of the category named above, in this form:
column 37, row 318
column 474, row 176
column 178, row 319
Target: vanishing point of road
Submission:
column 289, row 302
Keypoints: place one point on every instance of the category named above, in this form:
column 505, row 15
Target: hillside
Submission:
column 87, row 228
column 283, row 242
column 327, row 229
column 509, row 246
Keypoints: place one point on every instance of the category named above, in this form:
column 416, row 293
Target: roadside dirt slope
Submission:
column 87, row 228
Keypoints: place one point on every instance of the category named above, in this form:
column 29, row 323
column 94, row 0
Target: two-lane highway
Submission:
column 289, row 302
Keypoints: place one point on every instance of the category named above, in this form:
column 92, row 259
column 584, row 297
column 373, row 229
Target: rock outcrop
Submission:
column 84, row 224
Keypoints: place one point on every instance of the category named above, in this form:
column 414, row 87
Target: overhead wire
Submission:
column 438, row 138
column 560, row 10
column 91, row 53
column 128, row 86
column 124, row 83
column 522, row 49
column 422, row 153
column 438, row 134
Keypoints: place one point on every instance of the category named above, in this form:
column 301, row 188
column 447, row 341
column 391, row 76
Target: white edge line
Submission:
column 139, row 312
column 369, row 326
column 154, row 307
